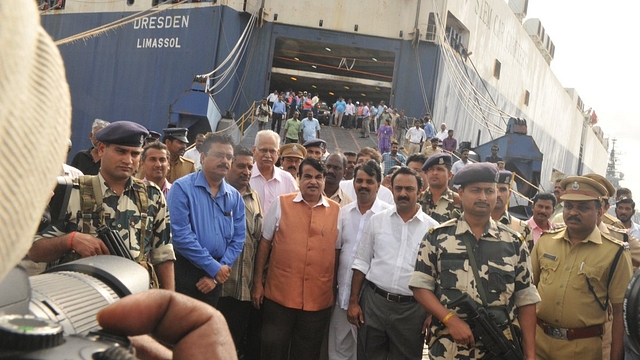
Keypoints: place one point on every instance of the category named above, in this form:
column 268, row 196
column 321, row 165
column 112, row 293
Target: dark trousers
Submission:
column 276, row 122
column 290, row 141
column 187, row 276
column 391, row 330
column 291, row 333
column 237, row 314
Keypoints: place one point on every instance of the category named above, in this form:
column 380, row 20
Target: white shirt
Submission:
column 388, row 249
column 281, row 183
column 384, row 194
column 350, row 109
column 193, row 154
column 271, row 222
column 70, row 171
column 634, row 230
column 458, row 165
column 442, row 134
column 417, row 135
column 272, row 97
column 351, row 224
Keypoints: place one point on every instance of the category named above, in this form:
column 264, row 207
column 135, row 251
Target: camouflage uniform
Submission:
column 520, row 227
column 121, row 213
column 443, row 267
column 445, row 209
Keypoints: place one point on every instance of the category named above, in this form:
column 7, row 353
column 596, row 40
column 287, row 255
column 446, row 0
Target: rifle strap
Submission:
column 614, row 264
column 90, row 201
column 474, row 266
column 142, row 200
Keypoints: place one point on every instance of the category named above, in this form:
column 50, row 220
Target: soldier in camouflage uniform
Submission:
column 117, row 207
column 444, row 271
column 501, row 214
column 437, row 169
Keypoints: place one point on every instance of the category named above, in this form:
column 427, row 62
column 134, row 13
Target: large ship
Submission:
column 472, row 64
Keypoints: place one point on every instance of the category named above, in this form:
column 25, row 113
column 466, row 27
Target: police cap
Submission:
column 315, row 143
column 293, row 150
column 475, row 173
column 179, row 134
column 125, row 133
column 582, row 188
column 437, row 159
column 611, row 191
column 505, row 177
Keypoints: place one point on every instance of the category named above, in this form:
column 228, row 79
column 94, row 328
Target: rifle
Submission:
column 486, row 330
column 114, row 242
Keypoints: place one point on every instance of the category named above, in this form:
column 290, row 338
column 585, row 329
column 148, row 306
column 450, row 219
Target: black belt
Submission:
column 391, row 296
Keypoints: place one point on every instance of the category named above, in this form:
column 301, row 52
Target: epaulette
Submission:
column 508, row 229
column 613, row 239
column 188, row 160
column 443, row 225
column 617, row 233
column 558, row 227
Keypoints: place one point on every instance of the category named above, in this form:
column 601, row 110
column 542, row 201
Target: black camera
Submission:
column 631, row 310
column 53, row 315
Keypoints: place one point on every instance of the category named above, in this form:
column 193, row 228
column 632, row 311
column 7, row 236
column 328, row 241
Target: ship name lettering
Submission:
column 162, row 22
column 146, row 43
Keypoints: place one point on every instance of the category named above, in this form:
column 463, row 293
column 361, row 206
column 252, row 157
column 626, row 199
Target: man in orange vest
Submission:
column 299, row 239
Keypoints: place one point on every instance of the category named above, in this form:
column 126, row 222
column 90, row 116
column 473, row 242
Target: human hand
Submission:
column 257, row 295
column 206, row 284
column 355, row 315
column 86, row 245
column 460, row 332
column 223, row 274
column 194, row 329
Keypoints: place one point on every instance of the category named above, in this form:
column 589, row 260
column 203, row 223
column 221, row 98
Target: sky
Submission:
column 596, row 54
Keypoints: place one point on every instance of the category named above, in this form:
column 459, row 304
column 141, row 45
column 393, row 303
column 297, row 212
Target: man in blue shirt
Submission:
column 310, row 127
column 393, row 158
column 207, row 223
column 279, row 110
column 340, row 107
column 429, row 130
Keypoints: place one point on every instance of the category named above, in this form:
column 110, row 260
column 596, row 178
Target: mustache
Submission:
column 223, row 166
column 292, row 168
column 403, row 198
column 481, row 204
column 574, row 218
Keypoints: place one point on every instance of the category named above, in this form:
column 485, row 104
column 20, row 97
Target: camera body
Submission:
column 53, row 315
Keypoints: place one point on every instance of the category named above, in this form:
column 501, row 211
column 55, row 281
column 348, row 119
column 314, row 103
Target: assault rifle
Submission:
column 114, row 242
column 486, row 330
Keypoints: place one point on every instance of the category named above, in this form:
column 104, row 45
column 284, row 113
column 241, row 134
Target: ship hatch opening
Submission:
column 332, row 70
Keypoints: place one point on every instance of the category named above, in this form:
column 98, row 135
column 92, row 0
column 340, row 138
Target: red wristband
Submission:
column 71, row 239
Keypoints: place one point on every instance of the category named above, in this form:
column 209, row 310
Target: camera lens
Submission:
column 631, row 308
column 73, row 293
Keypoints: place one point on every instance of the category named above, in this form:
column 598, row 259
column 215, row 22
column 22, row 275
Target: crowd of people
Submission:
column 327, row 263
column 318, row 255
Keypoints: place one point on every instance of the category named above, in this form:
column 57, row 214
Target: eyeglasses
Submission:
column 221, row 155
column 265, row 151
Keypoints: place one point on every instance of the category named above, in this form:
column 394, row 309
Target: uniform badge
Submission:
column 441, row 161
column 142, row 139
column 575, row 185
column 506, row 181
column 294, row 148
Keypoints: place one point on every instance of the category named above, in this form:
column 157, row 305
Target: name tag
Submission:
column 550, row 257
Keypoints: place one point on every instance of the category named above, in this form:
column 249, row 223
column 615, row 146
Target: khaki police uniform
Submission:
column 570, row 320
column 180, row 168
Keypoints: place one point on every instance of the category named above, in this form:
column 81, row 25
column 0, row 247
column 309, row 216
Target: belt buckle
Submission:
column 389, row 299
column 557, row 333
